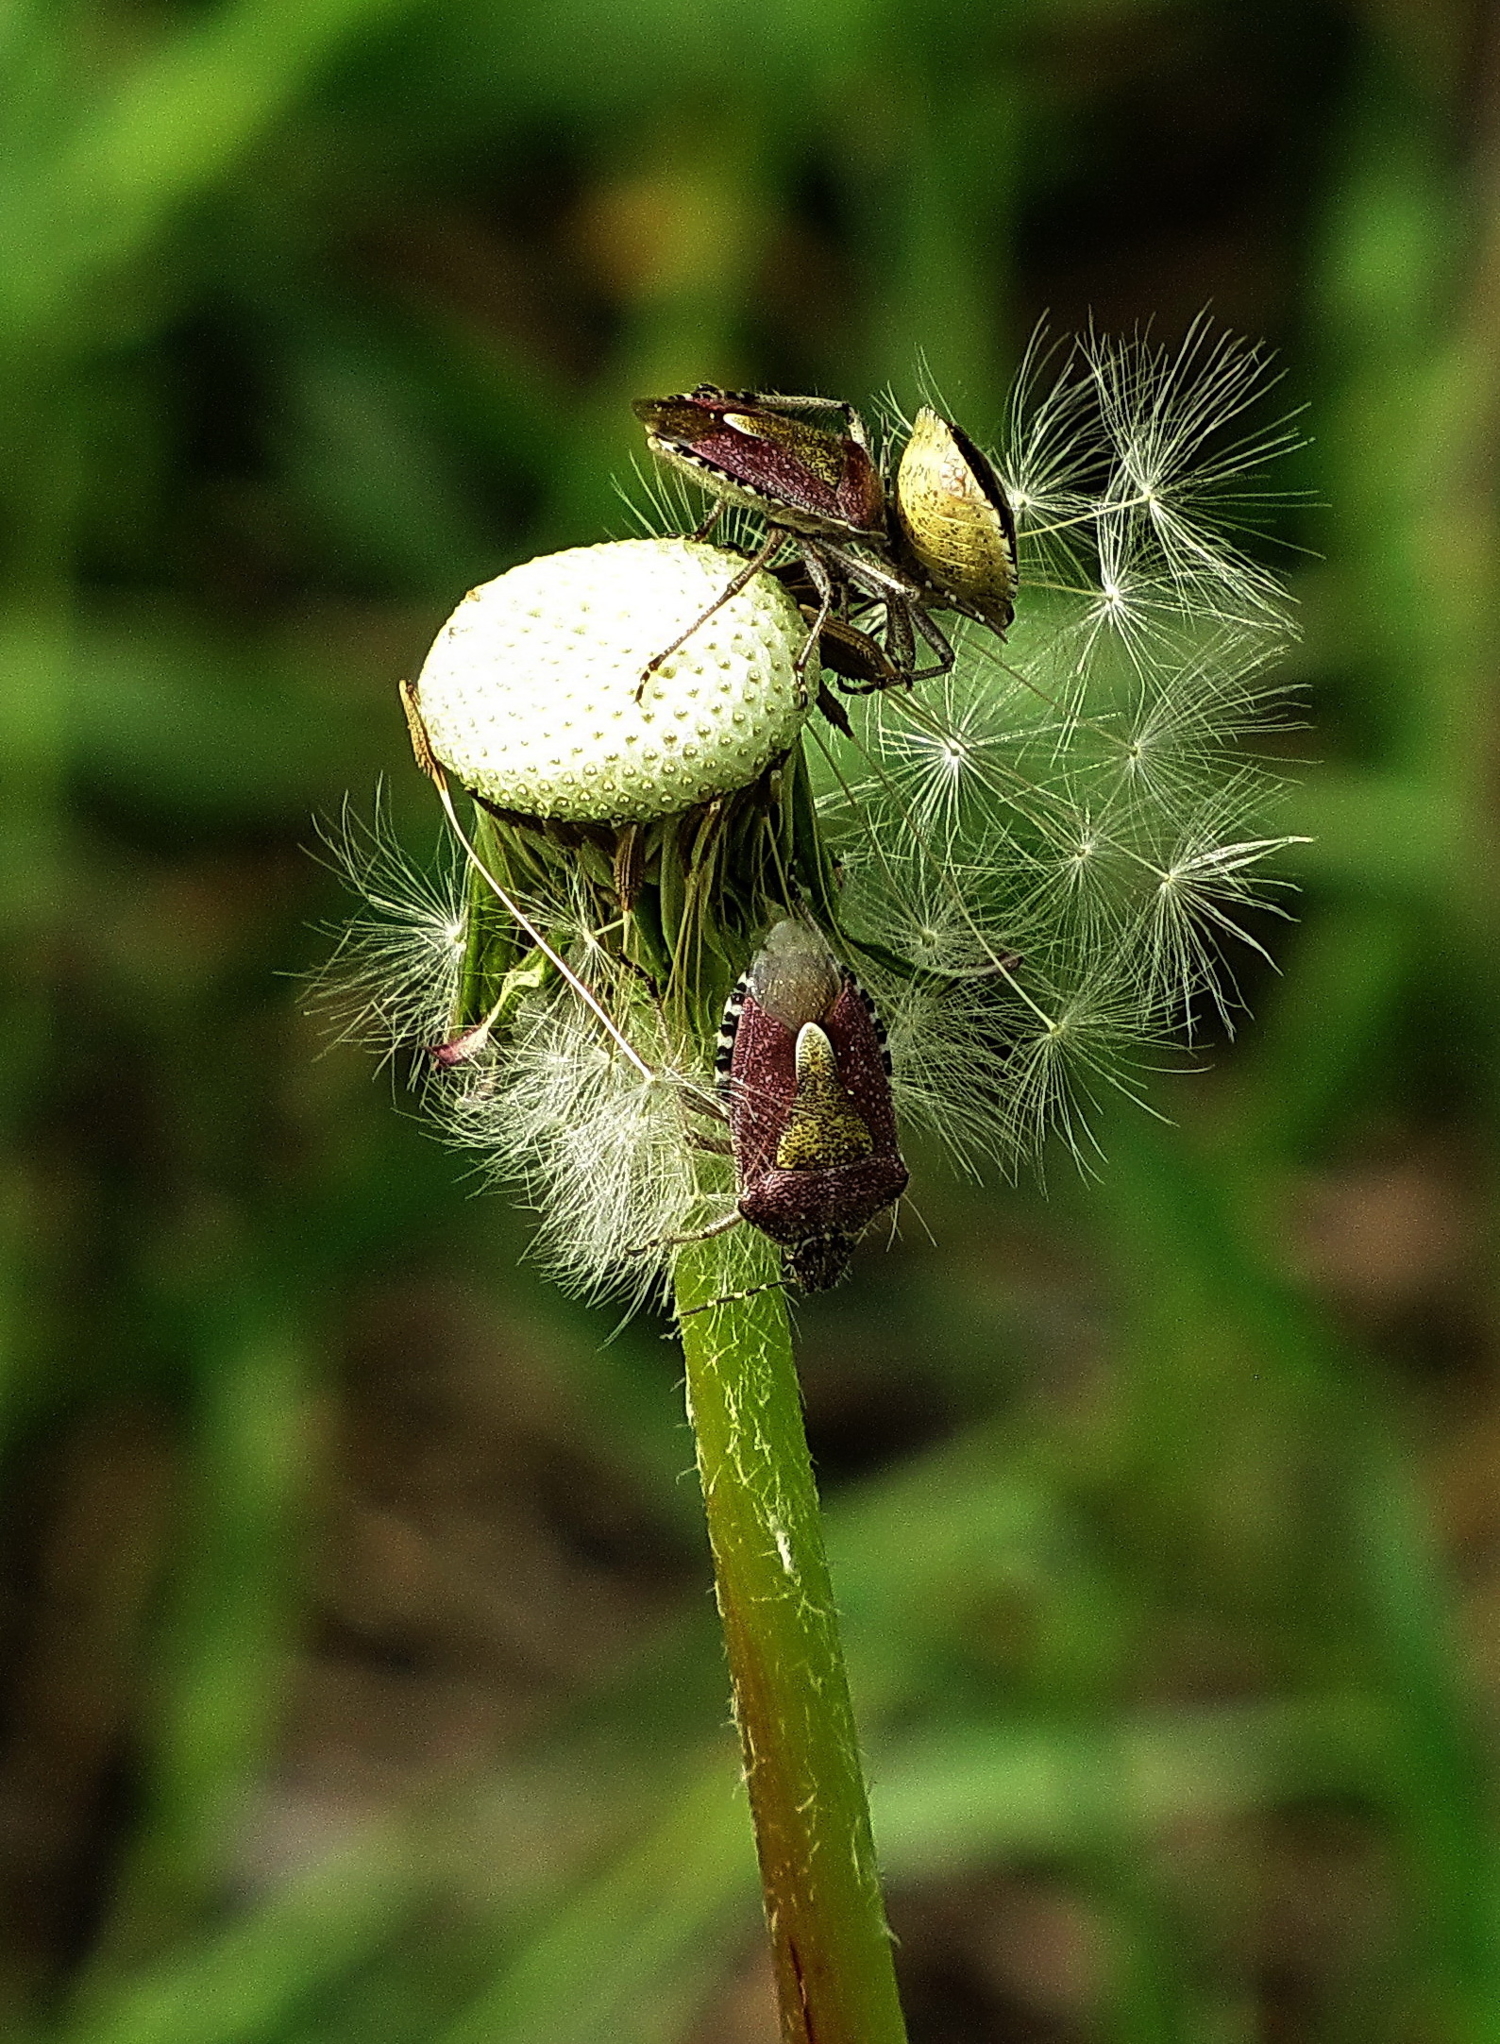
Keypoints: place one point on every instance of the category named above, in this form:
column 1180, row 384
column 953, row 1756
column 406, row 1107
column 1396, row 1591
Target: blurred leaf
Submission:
column 168, row 129
column 173, row 718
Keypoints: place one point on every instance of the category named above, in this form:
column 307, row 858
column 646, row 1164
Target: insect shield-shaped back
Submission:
column 751, row 448
column 803, row 1063
column 957, row 521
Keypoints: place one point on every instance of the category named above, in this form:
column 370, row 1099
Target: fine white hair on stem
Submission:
column 594, row 1110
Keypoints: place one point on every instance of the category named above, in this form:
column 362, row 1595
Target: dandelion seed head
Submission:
column 539, row 692
column 1083, row 797
column 1045, row 859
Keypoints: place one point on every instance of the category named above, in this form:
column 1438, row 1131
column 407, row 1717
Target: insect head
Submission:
column 805, row 1076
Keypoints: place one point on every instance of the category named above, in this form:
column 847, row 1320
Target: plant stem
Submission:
column 834, row 1976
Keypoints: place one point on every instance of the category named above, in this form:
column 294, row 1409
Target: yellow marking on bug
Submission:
column 824, row 1127
column 820, row 453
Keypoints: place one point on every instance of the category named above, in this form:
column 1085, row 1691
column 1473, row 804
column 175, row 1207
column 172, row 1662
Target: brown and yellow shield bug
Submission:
column 805, row 1077
column 821, row 494
column 956, row 520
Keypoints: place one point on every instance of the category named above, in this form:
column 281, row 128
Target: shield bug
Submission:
column 944, row 539
column 805, row 1077
column 818, row 489
column 956, row 521
column 751, row 448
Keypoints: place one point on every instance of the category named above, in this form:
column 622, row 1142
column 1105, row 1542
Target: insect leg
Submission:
column 751, row 568
column 900, row 652
column 822, row 583
column 700, row 1235
column 716, row 1146
column 729, row 1298
column 938, row 641
column 898, row 627
column 873, row 578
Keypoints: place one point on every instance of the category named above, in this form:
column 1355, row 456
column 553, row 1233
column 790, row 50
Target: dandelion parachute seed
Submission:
column 393, row 976
column 1036, row 862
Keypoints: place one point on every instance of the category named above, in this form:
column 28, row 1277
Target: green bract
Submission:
column 532, row 694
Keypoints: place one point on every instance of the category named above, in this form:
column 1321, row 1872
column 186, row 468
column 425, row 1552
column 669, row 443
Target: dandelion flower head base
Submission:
column 532, row 694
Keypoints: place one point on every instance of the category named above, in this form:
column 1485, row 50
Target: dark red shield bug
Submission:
column 750, row 447
column 805, row 1076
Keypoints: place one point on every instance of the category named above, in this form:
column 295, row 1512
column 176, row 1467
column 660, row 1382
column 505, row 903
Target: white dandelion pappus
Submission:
column 392, row 978
column 1044, row 855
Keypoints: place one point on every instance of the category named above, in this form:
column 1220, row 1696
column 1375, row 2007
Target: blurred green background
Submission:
column 359, row 1673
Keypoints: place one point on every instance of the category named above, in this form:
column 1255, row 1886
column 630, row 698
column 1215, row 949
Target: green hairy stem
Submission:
column 834, row 1975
